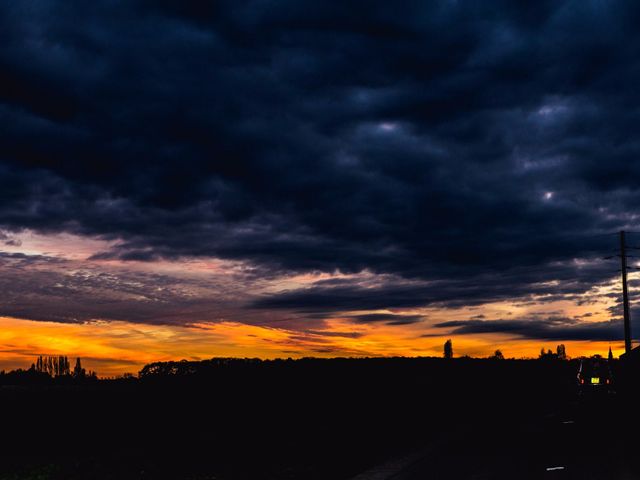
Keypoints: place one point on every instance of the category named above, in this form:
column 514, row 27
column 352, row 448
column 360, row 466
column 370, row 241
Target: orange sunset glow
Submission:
column 197, row 219
column 132, row 313
column 115, row 348
column 196, row 313
column 315, row 240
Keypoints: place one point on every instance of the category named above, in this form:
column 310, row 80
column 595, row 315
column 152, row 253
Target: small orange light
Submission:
column 582, row 380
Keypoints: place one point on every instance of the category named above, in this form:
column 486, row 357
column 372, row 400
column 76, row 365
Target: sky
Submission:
column 308, row 178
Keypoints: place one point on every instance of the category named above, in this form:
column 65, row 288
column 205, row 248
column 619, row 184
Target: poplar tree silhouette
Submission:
column 448, row 349
column 52, row 366
column 78, row 371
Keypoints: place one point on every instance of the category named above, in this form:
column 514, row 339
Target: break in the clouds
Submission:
column 457, row 153
column 39, row 287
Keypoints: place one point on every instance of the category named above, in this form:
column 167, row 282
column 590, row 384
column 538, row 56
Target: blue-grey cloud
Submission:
column 551, row 328
column 449, row 142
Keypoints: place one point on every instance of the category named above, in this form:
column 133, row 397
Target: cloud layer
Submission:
column 459, row 153
column 552, row 328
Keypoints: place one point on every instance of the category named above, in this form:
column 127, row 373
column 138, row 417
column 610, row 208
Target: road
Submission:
column 579, row 439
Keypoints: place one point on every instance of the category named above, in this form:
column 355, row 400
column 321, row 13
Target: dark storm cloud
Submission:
column 388, row 318
column 530, row 286
column 440, row 141
column 552, row 328
column 335, row 334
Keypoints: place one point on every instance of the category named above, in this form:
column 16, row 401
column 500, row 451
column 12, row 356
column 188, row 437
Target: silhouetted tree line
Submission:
column 238, row 366
column 59, row 367
column 497, row 355
column 52, row 366
column 560, row 353
column 184, row 367
column 46, row 369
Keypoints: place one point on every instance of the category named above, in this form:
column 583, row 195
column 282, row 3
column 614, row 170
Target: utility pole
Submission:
column 625, row 294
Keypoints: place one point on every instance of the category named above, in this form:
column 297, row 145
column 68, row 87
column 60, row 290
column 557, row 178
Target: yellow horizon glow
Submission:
column 117, row 347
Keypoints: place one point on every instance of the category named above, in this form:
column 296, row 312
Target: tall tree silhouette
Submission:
column 78, row 371
column 448, row 349
column 52, row 366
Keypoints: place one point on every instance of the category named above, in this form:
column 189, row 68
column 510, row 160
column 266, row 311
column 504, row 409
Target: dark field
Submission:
column 305, row 419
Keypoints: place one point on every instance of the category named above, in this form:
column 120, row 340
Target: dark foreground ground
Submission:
column 316, row 419
column 582, row 439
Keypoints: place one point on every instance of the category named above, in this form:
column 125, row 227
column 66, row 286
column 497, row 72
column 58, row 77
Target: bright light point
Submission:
column 546, row 110
column 550, row 110
column 548, row 195
column 388, row 126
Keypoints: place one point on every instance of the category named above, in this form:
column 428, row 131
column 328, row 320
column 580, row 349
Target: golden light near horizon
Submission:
column 115, row 348
column 209, row 320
